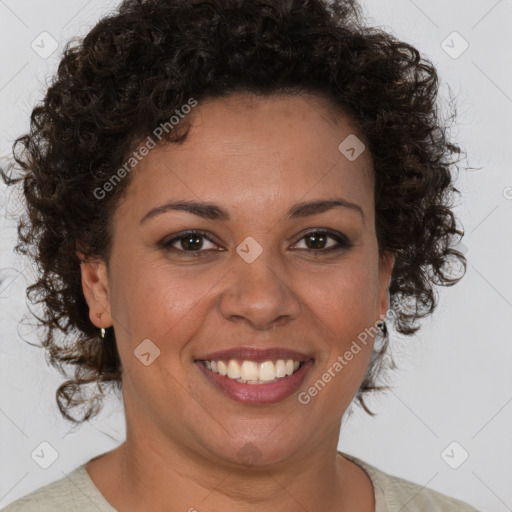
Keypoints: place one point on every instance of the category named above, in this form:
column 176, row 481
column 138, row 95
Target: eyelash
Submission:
column 342, row 241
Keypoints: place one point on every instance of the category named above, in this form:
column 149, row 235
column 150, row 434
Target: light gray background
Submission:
column 455, row 381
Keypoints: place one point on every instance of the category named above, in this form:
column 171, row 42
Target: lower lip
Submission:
column 258, row 393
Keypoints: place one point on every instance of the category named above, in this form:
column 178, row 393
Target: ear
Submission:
column 387, row 262
column 96, row 290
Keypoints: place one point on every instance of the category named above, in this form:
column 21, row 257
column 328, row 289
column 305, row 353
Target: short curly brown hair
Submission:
column 139, row 64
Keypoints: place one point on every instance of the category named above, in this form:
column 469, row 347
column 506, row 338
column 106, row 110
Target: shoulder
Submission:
column 393, row 494
column 72, row 493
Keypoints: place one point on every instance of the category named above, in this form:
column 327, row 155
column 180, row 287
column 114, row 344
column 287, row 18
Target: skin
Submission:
column 255, row 157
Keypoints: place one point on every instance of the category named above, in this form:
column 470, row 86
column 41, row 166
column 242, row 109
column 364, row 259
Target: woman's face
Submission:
column 252, row 281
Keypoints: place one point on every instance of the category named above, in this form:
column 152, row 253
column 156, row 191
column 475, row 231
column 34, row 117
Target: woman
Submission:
column 223, row 198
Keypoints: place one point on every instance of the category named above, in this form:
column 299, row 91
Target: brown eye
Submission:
column 190, row 243
column 318, row 241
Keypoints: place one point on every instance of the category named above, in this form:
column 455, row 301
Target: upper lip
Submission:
column 254, row 354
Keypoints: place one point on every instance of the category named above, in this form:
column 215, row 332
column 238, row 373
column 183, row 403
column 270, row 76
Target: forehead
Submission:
column 250, row 150
column 278, row 121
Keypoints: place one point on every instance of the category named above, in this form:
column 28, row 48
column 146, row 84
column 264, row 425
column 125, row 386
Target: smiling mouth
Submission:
column 252, row 372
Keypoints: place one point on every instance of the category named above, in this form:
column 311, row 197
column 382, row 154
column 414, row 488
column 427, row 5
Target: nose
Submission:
column 259, row 293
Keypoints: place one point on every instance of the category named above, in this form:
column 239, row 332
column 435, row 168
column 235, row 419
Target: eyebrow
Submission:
column 212, row 211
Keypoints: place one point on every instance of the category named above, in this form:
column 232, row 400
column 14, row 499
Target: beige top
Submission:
column 76, row 492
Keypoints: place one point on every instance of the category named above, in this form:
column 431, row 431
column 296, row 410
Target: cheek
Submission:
column 344, row 307
column 344, row 314
column 344, row 299
column 157, row 302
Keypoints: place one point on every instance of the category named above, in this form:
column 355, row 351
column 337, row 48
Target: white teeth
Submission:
column 267, row 371
column 221, row 366
column 281, row 368
column 250, row 372
column 233, row 370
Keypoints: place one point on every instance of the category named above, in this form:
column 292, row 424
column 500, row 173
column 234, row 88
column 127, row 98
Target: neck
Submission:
column 139, row 475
